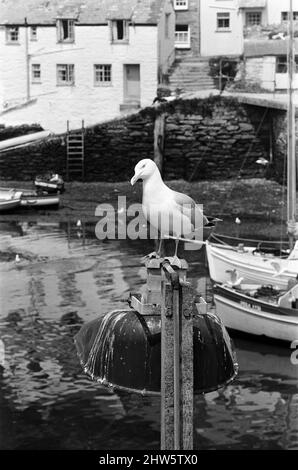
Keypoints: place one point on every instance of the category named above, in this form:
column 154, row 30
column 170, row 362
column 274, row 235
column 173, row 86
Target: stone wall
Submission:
column 209, row 138
column 9, row 132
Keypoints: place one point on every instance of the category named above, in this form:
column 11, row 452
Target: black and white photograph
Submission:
column 148, row 228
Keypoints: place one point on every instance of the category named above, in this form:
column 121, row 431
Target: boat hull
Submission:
column 7, row 205
column 248, row 315
column 39, row 201
column 253, row 268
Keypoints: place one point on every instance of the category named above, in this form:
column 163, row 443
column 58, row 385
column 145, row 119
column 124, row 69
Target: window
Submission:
column 253, row 18
column 285, row 15
column 65, row 74
column 167, row 23
column 12, row 34
column 33, row 33
column 182, row 36
column 181, row 4
column 35, row 73
column 119, row 31
column 282, row 64
column 102, row 75
column 65, row 30
column 223, row 21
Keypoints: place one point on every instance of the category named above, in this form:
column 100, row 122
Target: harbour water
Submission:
column 63, row 277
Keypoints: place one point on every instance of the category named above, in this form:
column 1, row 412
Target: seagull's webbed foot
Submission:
column 152, row 255
column 174, row 261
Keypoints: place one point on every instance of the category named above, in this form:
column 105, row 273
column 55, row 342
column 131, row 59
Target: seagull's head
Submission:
column 143, row 170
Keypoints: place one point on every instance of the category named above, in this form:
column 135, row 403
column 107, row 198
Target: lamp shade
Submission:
column 122, row 349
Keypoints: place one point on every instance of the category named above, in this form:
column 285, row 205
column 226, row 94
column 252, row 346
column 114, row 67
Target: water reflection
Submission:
column 46, row 402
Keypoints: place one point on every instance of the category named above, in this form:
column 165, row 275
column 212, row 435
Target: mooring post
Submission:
column 177, row 385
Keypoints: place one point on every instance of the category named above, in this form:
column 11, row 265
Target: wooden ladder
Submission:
column 75, row 154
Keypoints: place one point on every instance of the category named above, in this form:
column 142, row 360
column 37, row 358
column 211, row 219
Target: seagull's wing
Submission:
column 186, row 202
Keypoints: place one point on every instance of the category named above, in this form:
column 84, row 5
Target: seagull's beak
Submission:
column 135, row 178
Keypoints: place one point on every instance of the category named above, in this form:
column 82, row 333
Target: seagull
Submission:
column 237, row 221
column 278, row 269
column 17, row 258
column 173, row 214
column 235, row 279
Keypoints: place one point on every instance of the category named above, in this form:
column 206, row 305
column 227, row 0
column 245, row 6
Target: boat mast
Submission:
column 291, row 134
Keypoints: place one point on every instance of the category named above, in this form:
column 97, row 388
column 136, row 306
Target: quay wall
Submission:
column 212, row 138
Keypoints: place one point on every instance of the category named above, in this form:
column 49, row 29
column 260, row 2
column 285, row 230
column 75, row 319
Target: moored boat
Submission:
column 33, row 199
column 259, row 310
column 253, row 264
column 9, row 199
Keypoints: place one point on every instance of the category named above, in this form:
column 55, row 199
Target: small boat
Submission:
column 259, row 310
column 9, row 199
column 36, row 199
column 12, row 198
column 52, row 183
column 6, row 204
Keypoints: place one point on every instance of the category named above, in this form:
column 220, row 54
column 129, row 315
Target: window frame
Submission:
column 253, row 12
column 102, row 83
column 282, row 60
column 69, row 67
column 114, row 31
column 181, row 7
column 287, row 13
column 9, row 32
column 219, row 16
column 33, row 78
column 182, row 44
column 60, row 31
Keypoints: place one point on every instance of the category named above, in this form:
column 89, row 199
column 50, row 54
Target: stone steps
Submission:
column 191, row 74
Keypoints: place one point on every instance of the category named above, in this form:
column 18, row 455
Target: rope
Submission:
column 269, row 242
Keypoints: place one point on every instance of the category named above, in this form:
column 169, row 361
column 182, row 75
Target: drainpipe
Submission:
column 27, row 58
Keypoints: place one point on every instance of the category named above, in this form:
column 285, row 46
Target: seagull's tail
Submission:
column 210, row 222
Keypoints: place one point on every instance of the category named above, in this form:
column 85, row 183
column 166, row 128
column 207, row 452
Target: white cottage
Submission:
column 221, row 28
column 81, row 59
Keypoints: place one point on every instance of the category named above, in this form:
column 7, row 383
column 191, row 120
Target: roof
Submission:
column 259, row 48
column 84, row 11
column 252, row 3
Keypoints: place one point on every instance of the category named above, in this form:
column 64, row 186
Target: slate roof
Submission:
column 45, row 12
column 259, row 48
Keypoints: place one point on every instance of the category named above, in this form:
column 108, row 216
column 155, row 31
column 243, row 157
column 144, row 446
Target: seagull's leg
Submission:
column 159, row 248
column 174, row 260
column 176, row 248
column 154, row 254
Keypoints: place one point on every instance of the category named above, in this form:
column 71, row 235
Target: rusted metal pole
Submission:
column 167, row 369
column 177, row 383
column 187, row 372
column 177, row 379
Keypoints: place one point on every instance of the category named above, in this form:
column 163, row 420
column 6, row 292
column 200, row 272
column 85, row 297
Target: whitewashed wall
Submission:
column 57, row 104
column 214, row 42
column 275, row 7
